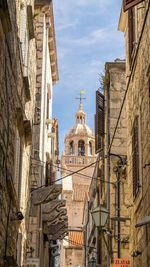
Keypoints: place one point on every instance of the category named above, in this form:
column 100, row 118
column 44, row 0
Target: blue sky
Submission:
column 86, row 38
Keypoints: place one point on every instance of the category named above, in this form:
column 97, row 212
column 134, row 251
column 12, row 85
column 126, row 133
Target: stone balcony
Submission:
column 76, row 160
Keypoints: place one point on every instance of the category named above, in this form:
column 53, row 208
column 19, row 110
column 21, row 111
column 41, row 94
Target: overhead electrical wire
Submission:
column 86, row 176
column 128, row 82
column 76, row 172
column 57, row 180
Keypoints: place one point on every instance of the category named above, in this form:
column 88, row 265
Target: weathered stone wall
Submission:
column 12, row 116
column 138, row 103
column 114, row 91
column 42, row 123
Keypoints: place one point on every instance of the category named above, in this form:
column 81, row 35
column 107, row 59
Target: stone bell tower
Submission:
column 79, row 152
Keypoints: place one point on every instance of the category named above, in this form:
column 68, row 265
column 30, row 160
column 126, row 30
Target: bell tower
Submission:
column 79, row 153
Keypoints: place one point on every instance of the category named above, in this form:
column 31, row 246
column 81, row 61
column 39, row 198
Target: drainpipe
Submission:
column 107, row 129
column 118, row 211
column 98, row 230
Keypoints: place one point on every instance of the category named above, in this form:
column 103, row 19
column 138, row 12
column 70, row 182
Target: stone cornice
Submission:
column 52, row 48
column 46, row 7
column 122, row 21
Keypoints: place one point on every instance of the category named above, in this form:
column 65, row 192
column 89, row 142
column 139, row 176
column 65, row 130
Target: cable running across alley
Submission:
column 128, row 83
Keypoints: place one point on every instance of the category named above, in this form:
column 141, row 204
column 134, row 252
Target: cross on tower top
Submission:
column 82, row 92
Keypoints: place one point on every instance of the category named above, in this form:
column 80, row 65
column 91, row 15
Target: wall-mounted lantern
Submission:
column 100, row 216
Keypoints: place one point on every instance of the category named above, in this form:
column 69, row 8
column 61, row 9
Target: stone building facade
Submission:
column 29, row 135
column 77, row 163
column 17, row 85
column 135, row 23
column 45, row 150
column 115, row 193
column 108, row 188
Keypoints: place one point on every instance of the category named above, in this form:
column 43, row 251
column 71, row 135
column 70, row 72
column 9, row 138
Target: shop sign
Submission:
column 121, row 263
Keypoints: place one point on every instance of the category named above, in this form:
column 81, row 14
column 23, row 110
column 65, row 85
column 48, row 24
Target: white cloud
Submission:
column 67, row 24
column 90, row 39
column 86, row 37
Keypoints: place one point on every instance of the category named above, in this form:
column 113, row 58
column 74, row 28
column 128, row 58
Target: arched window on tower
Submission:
column 81, row 148
column 71, row 148
column 90, row 148
column 80, row 119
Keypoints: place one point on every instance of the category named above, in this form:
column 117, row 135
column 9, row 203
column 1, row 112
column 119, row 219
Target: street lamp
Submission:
column 92, row 262
column 100, row 216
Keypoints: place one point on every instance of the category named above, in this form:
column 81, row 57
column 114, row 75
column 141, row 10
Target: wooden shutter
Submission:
column 57, row 141
column 5, row 16
column 135, row 157
column 131, row 33
column 127, row 4
column 49, row 174
column 19, row 248
column 99, row 121
column 23, row 26
column 24, row 39
column 18, row 164
column 17, row 161
column 52, row 173
column 30, row 22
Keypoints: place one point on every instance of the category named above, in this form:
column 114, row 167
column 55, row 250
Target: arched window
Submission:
column 71, row 148
column 90, row 148
column 81, row 148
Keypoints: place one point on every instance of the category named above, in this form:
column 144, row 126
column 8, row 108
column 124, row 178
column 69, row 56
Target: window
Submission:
column 131, row 33
column 99, row 121
column 30, row 22
column 90, row 148
column 135, row 157
column 19, row 248
column 71, row 148
column 49, row 173
column 24, row 40
column 5, row 17
column 81, row 148
column 47, row 115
